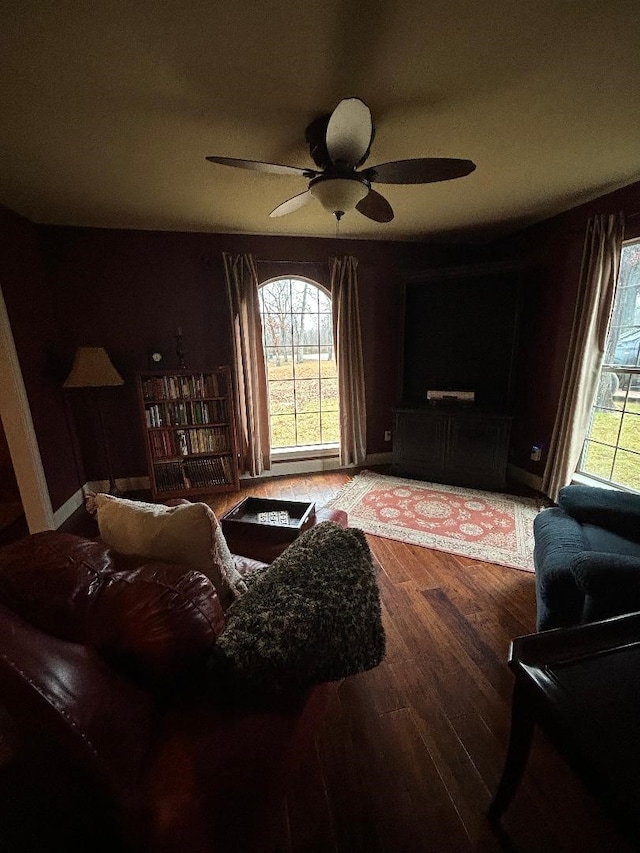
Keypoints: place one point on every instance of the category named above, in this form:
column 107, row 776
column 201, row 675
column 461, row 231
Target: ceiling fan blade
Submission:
column 424, row 170
column 291, row 204
column 349, row 133
column 375, row 206
column 259, row 166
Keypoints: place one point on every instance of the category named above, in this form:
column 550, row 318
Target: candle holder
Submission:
column 180, row 350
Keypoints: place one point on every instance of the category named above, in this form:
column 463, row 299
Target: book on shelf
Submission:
column 169, row 477
column 208, row 471
column 185, row 387
column 162, row 443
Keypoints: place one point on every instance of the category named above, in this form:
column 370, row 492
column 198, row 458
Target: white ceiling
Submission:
column 108, row 108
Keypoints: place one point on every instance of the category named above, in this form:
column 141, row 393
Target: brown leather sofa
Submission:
column 112, row 735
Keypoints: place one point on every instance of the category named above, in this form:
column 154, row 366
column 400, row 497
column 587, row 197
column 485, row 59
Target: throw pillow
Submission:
column 313, row 615
column 188, row 534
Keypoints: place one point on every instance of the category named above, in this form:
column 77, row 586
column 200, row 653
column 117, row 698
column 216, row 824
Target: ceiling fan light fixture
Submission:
column 338, row 195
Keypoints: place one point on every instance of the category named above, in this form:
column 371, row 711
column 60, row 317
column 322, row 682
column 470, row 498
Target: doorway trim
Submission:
column 21, row 437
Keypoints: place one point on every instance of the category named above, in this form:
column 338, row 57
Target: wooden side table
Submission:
column 244, row 526
column 582, row 687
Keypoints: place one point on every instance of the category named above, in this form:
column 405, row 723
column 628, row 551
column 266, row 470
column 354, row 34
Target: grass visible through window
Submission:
column 612, row 450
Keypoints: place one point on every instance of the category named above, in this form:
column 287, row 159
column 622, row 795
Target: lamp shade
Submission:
column 92, row 368
column 338, row 195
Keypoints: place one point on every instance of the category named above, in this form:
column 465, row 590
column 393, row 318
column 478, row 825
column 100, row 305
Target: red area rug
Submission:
column 488, row 526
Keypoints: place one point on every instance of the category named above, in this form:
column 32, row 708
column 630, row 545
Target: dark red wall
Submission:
column 552, row 253
column 30, row 306
column 129, row 290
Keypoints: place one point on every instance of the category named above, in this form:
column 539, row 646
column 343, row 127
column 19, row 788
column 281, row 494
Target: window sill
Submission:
column 586, row 480
column 312, row 451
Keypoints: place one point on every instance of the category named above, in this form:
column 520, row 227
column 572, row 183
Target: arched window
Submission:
column 301, row 365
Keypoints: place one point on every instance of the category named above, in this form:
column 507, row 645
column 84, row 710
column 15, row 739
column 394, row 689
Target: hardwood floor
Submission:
column 411, row 752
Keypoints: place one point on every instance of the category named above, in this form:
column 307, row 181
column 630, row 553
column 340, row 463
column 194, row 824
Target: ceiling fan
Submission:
column 339, row 143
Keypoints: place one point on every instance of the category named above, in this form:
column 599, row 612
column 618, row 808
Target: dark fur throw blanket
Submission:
column 313, row 615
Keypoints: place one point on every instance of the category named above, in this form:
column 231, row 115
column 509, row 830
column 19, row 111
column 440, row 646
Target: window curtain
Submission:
column 598, row 277
column 252, row 407
column 348, row 346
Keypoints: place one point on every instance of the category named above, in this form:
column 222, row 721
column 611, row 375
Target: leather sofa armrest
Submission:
column 102, row 720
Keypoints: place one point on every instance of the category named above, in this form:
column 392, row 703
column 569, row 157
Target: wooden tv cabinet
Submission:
column 451, row 444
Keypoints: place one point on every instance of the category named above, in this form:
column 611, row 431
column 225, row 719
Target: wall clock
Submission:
column 156, row 358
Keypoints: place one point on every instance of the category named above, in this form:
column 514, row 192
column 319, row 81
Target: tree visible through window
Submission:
column 611, row 449
column 301, row 367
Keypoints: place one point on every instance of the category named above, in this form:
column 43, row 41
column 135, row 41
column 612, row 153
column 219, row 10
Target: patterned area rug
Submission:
column 489, row 526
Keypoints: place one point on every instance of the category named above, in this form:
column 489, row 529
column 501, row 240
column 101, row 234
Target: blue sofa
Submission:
column 587, row 557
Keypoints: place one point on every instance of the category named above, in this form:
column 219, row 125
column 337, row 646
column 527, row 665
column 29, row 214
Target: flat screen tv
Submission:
column 460, row 333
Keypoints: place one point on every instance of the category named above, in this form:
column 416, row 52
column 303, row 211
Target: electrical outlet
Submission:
column 387, row 435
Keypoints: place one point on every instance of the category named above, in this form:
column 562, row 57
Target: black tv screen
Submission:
column 460, row 335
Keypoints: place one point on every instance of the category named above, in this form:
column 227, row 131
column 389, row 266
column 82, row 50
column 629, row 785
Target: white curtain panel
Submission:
column 598, row 277
column 348, row 346
column 252, row 405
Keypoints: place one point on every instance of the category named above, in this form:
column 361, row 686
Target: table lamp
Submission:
column 92, row 368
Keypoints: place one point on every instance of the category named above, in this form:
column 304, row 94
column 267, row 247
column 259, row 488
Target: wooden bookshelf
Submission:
column 189, row 431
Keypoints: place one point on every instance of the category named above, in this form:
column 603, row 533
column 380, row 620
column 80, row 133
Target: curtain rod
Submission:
column 269, row 261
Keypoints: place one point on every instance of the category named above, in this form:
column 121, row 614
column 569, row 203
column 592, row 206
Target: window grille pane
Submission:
column 281, row 398
column 325, row 330
column 306, row 362
column 330, row 427
column 609, row 394
column 324, row 302
column 329, row 390
column 633, row 386
column 605, row 426
column 309, row 428
column 630, row 432
column 598, row 460
column 626, row 470
column 283, row 431
column 307, row 395
column 328, row 365
column 277, row 366
column 303, row 295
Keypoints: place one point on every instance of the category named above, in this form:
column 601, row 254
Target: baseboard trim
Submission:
column 310, row 466
column 533, row 481
column 278, row 469
column 124, row 484
column 379, row 459
column 68, row 508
